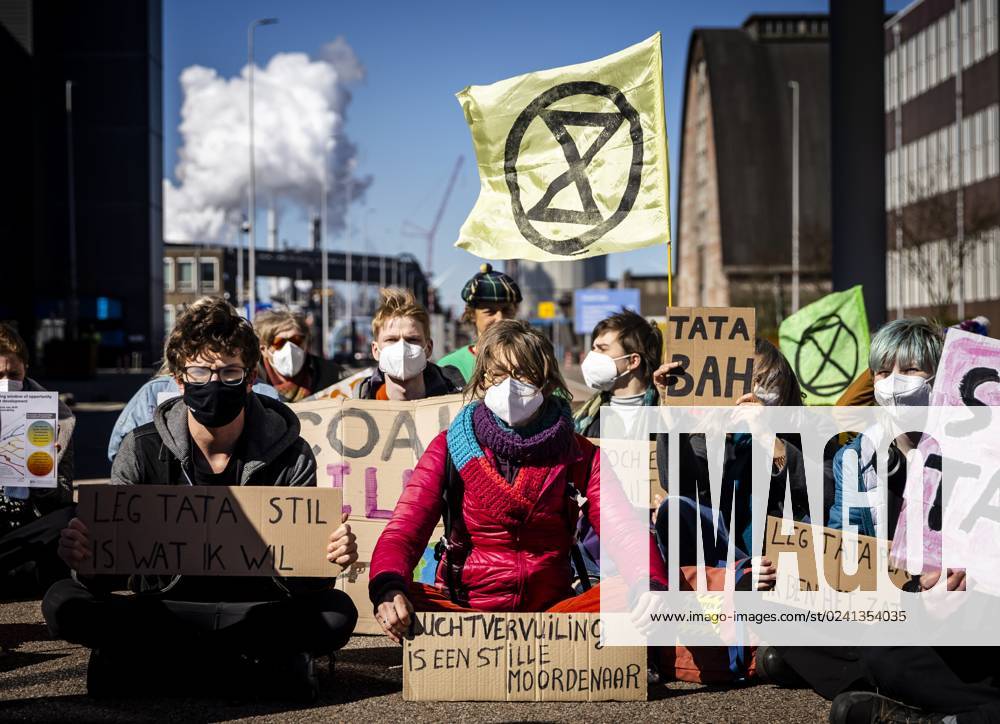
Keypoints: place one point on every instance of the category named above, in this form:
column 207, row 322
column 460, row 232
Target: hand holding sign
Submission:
column 343, row 548
column 74, row 544
column 395, row 615
column 666, row 377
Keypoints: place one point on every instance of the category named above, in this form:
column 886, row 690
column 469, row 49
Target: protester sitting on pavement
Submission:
column 898, row 683
column 139, row 410
column 402, row 344
column 489, row 297
column 624, row 354
column 250, row 629
column 903, row 361
column 774, row 384
column 625, row 351
column 285, row 362
column 510, row 467
column 30, row 518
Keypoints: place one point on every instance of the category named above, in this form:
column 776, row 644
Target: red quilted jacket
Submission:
column 525, row 568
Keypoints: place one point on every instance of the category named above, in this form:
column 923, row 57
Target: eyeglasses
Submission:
column 297, row 339
column 496, row 376
column 231, row 375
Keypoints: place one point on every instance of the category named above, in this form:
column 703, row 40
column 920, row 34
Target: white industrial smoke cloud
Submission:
column 299, row 108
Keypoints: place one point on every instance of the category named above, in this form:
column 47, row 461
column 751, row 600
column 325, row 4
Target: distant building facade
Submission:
column 94, row 174
column 734, row 225
column 942, row 120
column 555, row 281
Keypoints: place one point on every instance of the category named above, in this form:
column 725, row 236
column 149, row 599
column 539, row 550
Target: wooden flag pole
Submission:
column 670, row 272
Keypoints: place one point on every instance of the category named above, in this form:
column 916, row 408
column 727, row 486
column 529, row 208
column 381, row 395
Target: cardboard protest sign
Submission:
column 28, row 439
column 968, row 375
column 368, row 449
column 630, row 456
column 209, row 530
column 715, row 348
column 343, row 388
column 826, row 343
column 801, row 590
column 518, row 657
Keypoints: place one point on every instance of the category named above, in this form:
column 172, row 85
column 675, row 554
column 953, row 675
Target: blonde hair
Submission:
column 528, row 352
column 268, row 324
column 397, row 303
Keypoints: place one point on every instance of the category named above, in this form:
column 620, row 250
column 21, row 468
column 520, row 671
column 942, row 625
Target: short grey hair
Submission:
column 267, row 324
column 912, row 342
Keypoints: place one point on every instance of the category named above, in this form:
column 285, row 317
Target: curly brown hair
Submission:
column 526, row 351
column 211, row 324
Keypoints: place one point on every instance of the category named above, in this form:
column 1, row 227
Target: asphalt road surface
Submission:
column 45, row 680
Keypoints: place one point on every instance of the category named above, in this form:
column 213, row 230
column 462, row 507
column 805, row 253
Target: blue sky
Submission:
column 404, row 117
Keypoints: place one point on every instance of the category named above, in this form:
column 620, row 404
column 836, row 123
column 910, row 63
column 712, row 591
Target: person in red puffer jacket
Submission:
column 516, row 463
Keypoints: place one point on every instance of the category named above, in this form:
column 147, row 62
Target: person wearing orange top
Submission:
column 401, row 344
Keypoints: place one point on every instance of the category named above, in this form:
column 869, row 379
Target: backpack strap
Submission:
column 451, row 511
column 575, row 487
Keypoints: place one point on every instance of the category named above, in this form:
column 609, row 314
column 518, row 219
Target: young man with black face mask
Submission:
column 247, row 630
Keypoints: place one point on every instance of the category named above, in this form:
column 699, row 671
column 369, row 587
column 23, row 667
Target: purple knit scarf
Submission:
column 547, row 439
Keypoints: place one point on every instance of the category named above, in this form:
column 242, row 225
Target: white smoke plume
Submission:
column 300, row 107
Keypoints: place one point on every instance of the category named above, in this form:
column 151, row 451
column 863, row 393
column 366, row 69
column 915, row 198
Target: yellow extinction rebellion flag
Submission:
column 572, row 161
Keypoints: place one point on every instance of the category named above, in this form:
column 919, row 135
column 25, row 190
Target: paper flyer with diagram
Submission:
column 28, row 439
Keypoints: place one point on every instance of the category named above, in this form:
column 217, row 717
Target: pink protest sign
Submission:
column 968, row 375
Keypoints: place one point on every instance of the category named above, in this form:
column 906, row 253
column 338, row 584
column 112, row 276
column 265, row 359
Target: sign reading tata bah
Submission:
column 590, row 306
column 714, row 346
column 572, row 161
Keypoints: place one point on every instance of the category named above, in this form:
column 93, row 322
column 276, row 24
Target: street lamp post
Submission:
column 252, row 267
column 323, row 260
column 794, row 85
column 74, row 297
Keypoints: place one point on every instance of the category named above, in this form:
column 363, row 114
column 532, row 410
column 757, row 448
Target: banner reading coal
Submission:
column 572, row 161
column 369, row 449
column 827, row 344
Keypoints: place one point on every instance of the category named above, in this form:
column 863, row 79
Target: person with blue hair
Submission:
column 903, row 360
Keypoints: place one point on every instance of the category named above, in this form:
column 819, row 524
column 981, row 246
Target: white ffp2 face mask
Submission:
column 903, row 391
column 288, row 360
column 600, row 371
column 9, row 385
column 513, row 401
column 402, row 360
column 768, row 397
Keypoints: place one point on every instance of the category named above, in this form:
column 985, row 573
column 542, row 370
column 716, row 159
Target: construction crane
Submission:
column 411, row 229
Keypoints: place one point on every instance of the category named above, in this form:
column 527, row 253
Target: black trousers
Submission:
column 35, row 541
column 946, row 679
column 317, row 623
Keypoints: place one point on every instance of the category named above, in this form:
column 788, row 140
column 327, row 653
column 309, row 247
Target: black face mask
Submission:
column 215, row 404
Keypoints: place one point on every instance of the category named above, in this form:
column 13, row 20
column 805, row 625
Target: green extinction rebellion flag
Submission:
column 572, row 161
column 827, row 344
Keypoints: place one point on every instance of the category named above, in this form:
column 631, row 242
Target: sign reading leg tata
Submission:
column 592, row 305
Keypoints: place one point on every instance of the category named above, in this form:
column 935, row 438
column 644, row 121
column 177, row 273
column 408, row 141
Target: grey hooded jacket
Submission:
column 159, row 453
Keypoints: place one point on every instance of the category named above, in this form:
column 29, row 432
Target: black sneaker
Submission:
column 773, row 669
column 865, row 707
column 102, row 680
column 290, row 677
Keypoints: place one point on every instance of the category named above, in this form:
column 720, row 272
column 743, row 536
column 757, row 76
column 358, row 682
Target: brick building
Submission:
column 734, row 224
